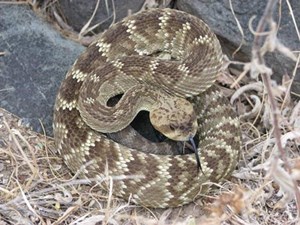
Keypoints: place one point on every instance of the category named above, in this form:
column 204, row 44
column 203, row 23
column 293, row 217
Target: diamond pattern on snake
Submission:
column 165, row 62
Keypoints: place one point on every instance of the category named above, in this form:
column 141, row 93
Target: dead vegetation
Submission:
column 36, row 187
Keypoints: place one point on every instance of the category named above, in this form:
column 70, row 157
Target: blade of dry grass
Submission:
column 258, row 56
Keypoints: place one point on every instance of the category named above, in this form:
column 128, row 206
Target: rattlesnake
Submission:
column 164, row 61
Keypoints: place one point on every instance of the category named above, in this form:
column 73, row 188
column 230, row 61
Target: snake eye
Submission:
column 172, row 127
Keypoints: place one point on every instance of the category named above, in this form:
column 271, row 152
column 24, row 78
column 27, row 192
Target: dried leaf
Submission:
column 235, row 200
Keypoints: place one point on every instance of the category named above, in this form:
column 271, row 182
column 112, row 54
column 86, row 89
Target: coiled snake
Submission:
column 163, row 61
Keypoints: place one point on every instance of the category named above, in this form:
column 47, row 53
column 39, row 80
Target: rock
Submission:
column 78, row 13
column 218, row 15
column 36, row 60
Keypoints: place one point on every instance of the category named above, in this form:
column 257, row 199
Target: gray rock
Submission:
column 78, row 13
column 36, row 60
column 218, row 15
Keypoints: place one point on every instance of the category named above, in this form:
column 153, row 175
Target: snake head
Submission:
column 175, row 118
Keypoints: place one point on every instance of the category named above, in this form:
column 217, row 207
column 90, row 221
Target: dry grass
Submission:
column 36, row 187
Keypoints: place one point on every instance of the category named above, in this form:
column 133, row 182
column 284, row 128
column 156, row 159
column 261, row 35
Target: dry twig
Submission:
column 258, row 59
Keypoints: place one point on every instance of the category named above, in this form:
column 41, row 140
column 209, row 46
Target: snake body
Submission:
column 163, row 61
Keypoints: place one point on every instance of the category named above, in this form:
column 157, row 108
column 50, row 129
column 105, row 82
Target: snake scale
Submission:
column 163, row 61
